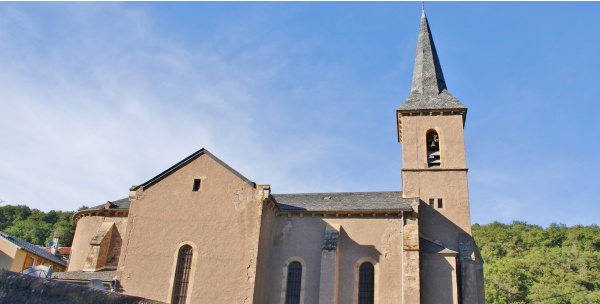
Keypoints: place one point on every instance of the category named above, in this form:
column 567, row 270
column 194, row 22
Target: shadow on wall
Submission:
column 5, row 260
column 304, row 238
column 348, row 245
column 434, row 225
column 114, row 249
column 469, row 263
column 443, row 272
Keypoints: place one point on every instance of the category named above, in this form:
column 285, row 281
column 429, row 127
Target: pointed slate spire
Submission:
column 427, row 76
column 428, row 91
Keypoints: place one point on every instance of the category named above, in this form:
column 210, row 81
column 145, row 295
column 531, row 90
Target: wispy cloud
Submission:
column 109, row 102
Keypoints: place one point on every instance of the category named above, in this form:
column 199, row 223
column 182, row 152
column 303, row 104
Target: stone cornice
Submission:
column 434, row 169
column 436, row 112
column 344, row 214
column 100, row 212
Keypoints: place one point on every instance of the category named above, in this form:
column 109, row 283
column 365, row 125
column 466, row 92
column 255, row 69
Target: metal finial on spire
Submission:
column 422, row 9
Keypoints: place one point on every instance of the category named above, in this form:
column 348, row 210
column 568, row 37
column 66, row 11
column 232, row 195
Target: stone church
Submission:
column 200, row 232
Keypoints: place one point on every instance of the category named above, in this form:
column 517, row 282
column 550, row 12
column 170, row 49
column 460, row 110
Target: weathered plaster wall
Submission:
column 443, row 224
column 378, row 239
column 8, row 252
column 449, row 182
column 11, row 257
column 438, row 279
column 222, row 220
column 86, row 229
column 450, row 131
column 264, row 255
column 411, row 259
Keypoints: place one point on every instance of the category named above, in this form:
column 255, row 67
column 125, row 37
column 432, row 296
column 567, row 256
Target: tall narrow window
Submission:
column 182, row 275
column 366, row 284
column 433, row 149
column 196, row 186
column 294, row 283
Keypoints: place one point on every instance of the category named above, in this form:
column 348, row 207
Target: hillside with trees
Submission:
column 35, row 226
column 529, row 264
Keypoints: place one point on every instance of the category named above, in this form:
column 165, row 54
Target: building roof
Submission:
column 344, row 201
column 104, row 275
column 427, row 246
column 122, row 204
column 110, row 208
column 323, row 202
column 428, row 91
column 33, row 249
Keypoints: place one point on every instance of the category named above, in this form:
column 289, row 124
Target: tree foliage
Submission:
column 35, row 226
column 529, row 264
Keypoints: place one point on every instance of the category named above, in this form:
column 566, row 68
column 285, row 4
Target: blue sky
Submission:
column 96, row 97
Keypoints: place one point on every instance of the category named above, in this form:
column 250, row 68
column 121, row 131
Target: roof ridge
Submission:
column 347, row 192
column 186, row 161
column 32, row 248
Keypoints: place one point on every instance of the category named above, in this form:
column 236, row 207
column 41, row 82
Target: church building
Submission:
column 200, row 232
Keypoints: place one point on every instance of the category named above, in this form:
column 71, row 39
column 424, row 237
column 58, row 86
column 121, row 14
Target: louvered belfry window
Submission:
column 433, row 150
column 366, row 284
column 294, row 283
column 182, row 275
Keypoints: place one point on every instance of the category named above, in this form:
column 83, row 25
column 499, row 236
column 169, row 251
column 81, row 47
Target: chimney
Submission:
column 55, row 240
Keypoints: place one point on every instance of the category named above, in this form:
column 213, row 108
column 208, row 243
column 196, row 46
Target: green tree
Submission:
column 529, row 264
column 37, row 227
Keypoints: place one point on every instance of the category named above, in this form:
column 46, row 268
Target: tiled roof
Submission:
column 444, row 100
column 36, row 250
column 104, row 275
column 120, row 207
column 428, row 91
column 344, row 201
column 118, row 204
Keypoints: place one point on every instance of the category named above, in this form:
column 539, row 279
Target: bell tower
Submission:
column 430, row 128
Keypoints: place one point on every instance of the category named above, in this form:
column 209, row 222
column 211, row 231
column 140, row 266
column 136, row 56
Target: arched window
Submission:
column 294, row 283
column 433, row 149
column 366, row 284
column 182, row 274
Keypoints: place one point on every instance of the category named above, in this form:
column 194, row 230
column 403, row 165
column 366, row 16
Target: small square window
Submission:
column 432, row 203
column 440, row 203
column 196, row 185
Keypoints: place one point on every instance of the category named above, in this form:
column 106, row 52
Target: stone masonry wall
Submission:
column 20, row 288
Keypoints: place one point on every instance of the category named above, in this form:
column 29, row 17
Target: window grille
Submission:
column 366, row 284
column 294, row 283
column 182, row 275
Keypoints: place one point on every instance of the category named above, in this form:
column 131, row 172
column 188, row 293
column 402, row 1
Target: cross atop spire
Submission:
column 428, row 89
